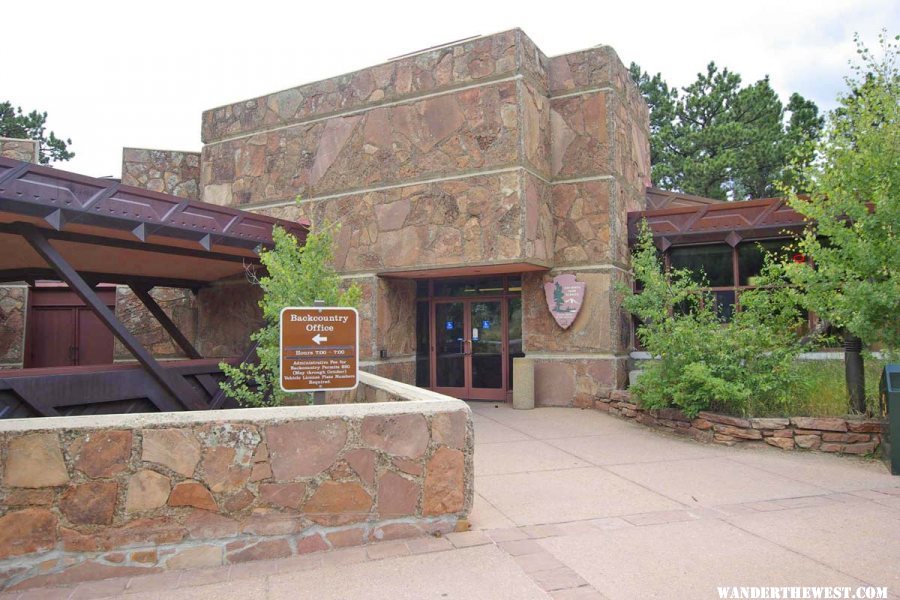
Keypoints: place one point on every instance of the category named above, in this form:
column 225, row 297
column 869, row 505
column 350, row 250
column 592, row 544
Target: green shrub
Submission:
column 297, row 275
column 745, row 367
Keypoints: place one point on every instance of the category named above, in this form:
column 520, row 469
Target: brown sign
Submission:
column 564, row 298
column 319, row 348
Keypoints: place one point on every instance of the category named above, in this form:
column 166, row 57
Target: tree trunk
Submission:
column 854, row 374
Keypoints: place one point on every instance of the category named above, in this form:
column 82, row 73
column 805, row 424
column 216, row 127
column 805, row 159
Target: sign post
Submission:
column 319, row 349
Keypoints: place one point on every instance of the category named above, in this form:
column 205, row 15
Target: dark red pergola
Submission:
column 86, row 231
column 713, row 222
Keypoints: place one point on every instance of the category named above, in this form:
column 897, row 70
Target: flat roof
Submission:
column 114, row 233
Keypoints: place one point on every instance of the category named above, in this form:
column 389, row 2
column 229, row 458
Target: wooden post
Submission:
column 319, row 397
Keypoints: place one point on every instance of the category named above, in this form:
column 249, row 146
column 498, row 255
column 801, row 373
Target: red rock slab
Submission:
column 304, row 448
column 336, row 503
column 103, row 453
column 92, row 503
column 26, row 531
column 399, row 435
column 397, row 496
column 192, row 493
column 444, row 482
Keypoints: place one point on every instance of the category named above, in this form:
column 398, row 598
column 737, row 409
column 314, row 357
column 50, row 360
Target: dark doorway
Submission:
column 464, row 333
column 62, row 330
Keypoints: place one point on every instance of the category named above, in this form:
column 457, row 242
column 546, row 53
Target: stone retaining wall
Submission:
column 119, row 495
column 841, row 435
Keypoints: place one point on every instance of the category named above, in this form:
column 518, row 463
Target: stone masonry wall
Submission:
column 481, row 152
column 178, row 174
column 599, row 166
column 180, row 305
column 227, row 313
column 14, row 298
column 13, row 306
column 107, row 496
column 825, row 434
column 17, row 149
column 165, row 171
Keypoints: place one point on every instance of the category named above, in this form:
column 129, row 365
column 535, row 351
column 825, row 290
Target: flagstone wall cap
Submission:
column 413, row 400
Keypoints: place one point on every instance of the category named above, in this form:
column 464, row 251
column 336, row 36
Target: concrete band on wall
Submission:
column 121, row 495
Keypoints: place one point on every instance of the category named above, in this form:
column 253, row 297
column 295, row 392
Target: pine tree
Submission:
column 558, row 296
column 721, row 140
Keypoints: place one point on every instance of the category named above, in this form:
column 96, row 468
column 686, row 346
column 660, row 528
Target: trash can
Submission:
column 889, row 392
column 523, row 383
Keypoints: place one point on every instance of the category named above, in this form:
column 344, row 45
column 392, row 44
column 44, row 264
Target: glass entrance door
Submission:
column 486, row 349
column 450, row 348
column 468, row 330
column 470, row 349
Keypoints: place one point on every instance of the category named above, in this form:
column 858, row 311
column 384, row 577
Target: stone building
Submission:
column 464, row 178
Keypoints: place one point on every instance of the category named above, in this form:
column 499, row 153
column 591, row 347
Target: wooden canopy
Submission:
column 729, row 222
column 85, row 231
column 120, row 234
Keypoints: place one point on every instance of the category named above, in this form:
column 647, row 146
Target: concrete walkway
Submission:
column 578, row 504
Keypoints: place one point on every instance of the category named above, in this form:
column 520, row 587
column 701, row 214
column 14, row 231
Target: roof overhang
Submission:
column 467, row 270
column 729, row 222
column 120, row 234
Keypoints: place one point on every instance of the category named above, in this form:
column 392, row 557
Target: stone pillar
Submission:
column 18, row 149
column 599, row 169
column 228, row 312
column 14, row 297
column 180, row 305
column 523, row 384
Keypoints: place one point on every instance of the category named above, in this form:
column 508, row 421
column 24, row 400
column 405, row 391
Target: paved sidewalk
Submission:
column 574, row 504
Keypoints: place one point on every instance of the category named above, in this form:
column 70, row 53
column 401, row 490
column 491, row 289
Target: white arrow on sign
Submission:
column 319, row 339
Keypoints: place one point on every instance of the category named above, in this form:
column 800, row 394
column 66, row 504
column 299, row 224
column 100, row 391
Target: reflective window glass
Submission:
column 750, row 258
column 423, row 356
column 713, row 261
column 469, row 287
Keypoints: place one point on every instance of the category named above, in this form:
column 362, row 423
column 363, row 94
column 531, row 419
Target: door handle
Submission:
column 469, row 352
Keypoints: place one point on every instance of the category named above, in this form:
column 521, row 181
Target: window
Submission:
column 714, row 262
column 727, row 270
column 468, row 287
column 423, row 342
column 750, row 258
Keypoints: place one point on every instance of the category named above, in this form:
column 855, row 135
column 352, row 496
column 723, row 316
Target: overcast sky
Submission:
column 141, row 73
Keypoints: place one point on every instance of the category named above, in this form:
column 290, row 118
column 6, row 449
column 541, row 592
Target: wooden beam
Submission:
column 180, row 391
column 139, row 280
column 114, row 242
column 156, row 310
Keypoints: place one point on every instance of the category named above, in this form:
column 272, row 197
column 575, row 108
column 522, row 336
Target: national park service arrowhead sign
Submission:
column 564, row 298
